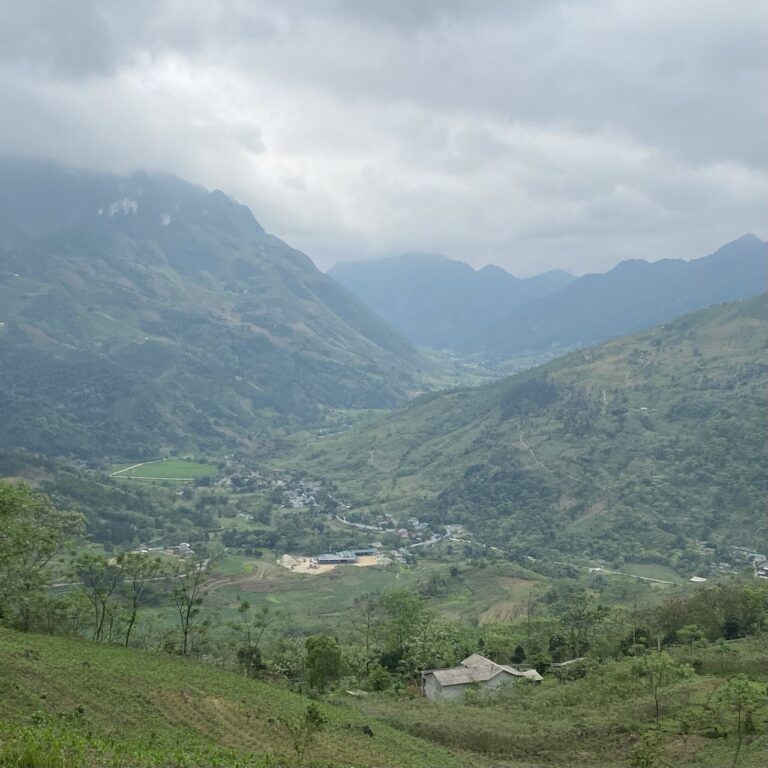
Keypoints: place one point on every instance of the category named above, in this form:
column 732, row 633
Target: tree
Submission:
column 188, row 599
column 302, row 731
column 32, row 533
column 433, row 645
column 100, row 578
column 365, row 622
column 658, row 671
column 740, row 698
column 289, row 657
column 323, row 661
column 252, row 626
column 648, row 752
column 404, row 612
column 577, row 613
column 139, row 572
column 691, row 634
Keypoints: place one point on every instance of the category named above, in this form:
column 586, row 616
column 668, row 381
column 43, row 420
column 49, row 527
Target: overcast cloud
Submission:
column 533, row 135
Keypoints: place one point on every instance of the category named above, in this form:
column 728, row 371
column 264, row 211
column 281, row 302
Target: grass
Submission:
column 652, row 571
column 595, row 721
column 66, row 702
column 74, row 703
column 163, row 469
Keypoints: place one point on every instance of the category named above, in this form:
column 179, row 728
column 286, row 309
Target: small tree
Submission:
column 251, row 627
column 100, row 579
column 378, row 679
column 323, row 661
column 188, row 599
column 690, row 634
column 648, row 752
column 139, row 572
column 739, row 697
column 302, row 731
column 658, row 671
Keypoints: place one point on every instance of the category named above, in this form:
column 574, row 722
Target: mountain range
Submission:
column 142, row 313
column 637, row 448
column 436, row 302
column 440, row 303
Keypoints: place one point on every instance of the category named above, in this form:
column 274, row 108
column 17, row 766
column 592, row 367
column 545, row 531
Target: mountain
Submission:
column 635, row 294
column 637, row 449
column 140, row 314
column 437, row 302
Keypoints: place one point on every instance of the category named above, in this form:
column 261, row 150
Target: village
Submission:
column 290, row 489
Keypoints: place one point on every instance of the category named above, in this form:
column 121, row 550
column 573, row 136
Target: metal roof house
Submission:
column 337, row 558
column 475, row 670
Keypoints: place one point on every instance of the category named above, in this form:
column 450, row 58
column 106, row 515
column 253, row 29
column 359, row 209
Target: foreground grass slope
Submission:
column 65, row 702
column 596, row 721
column 101, row 705
column 634, row 449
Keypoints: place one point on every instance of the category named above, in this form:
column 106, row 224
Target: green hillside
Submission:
column 633, row 450
column 67, row 702
column 98, row 705
column 143, row 315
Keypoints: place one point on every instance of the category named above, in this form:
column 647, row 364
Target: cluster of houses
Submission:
column 738, row 558
column 475, row 672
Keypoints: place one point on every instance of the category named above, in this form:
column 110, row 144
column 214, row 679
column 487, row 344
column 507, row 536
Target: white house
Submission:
column 475, row 670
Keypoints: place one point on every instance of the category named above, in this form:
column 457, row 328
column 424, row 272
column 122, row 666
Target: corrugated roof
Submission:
column 464, row 675
column 478, row 669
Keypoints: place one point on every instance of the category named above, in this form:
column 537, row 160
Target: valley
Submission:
column 286, row 514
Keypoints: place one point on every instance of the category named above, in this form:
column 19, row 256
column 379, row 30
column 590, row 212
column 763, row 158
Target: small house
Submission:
column 474, row 671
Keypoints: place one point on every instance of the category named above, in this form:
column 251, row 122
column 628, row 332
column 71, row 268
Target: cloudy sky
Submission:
column 534, row 135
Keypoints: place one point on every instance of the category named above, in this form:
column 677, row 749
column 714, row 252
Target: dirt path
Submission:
column 125, row 469
column 540, row 463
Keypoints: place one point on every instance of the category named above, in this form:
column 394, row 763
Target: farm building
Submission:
column 336, row 558
column 367, row 552
column 475, row 670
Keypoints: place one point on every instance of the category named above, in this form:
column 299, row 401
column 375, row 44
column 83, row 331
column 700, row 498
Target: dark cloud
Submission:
column 534, row 135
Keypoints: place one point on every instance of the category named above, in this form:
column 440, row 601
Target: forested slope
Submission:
column 143, row 313
column 634, row 449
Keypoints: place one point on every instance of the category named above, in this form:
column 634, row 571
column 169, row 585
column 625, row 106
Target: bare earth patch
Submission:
column 301, row 564
column 298, row 564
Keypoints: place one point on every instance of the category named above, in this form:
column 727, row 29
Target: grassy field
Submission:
column 652, row 571
column 72, row 703
column 163, row 469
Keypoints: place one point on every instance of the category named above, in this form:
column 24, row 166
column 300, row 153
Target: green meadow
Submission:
column 163, row 469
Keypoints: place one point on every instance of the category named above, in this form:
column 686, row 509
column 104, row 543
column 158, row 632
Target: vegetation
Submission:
column 637, row 450
column 691, row 669
column 165, row 469
column 125, row 338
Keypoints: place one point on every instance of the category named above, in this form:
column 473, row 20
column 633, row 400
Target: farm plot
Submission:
column 163, row 469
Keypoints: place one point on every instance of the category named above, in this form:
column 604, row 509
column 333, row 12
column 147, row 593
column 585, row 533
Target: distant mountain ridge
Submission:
column 437, row 302
column 634, row 295
column 143, row 313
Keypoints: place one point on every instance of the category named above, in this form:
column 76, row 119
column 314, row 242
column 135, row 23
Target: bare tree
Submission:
column 188, row 599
